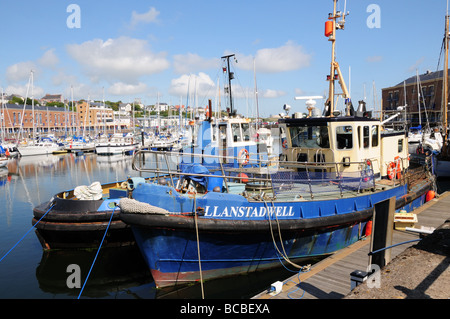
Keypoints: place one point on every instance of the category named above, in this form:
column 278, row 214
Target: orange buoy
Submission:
column 430, row 195
column 244, row 177
column 368, row 228
column 328, row 28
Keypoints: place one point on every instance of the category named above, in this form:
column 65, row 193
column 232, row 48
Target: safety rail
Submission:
column 282, row 178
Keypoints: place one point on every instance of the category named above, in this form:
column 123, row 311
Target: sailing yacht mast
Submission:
column 445, row 80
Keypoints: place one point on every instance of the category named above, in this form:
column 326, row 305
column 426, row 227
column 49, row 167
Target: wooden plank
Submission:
column 330, row 278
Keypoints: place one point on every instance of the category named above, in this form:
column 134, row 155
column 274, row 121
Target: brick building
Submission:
column 427, row 88
column 46, row 119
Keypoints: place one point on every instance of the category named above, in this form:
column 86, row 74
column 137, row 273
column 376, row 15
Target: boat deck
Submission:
column 330, row 278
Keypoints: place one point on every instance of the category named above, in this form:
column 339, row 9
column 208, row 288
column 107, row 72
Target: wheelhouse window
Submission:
column 246, row 131
column 236, row 132
column 310, row 136
column 344, row 137
column 374, row 135
column 214, row 132
column 366, row 136
column 400, row 145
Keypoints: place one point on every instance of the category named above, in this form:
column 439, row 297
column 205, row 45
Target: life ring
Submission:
column 243, row 156
column 284, row 143
column 391, row 170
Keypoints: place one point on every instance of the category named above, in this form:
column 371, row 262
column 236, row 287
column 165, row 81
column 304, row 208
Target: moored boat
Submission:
column 78, row 218
column 223, row 215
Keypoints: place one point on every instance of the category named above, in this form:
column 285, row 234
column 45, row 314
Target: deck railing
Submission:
column 293, row 179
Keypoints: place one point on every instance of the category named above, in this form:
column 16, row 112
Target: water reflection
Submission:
column 115, row 270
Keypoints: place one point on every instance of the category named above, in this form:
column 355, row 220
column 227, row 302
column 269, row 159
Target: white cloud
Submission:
column 189, row 83
column 374, row 58
column 21, row 90
column 49, row 59
column 151, row 16
column 271, row 94
column 20, row 71
column 121, row 88
column 190, row 62
column 288, row 57
column 416, row 64
column 124, row 59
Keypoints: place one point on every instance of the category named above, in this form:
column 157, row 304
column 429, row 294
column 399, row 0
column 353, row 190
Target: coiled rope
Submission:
column 26, row 233
column 98, row 250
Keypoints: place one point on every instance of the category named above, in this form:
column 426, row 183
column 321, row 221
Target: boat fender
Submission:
column 133, row 206
column 133, row 182
column 430, row 195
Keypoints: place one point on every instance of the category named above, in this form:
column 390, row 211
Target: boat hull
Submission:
column 248, row 238
column 173, row 255
column 113, row 149
column 80, row 224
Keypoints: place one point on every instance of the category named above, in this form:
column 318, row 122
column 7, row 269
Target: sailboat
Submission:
column 192, row 225
column 42, row 145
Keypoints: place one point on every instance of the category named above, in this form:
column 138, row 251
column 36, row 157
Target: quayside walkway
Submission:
column 330, row 278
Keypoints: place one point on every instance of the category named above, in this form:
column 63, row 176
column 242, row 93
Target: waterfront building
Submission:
column 426, row 88
column 14, row 117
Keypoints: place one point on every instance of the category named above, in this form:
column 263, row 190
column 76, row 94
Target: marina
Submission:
column 122, row 202
column 29, row 272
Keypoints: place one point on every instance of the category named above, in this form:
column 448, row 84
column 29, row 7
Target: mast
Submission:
column 256, row 96
column 32, row 106
column 418, row 98
column 230, row 77
column 445, row 80
column 335, row 73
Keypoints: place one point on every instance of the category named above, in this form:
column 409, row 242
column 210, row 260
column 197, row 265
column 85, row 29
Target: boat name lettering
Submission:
column 249, row 211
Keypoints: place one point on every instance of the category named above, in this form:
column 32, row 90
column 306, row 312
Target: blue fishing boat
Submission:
column 221, row 214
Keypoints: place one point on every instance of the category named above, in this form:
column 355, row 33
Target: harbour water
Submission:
column 28, row 272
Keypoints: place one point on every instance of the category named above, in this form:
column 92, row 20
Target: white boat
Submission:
column 80, row 144
column 118, row 143
column 44, row 146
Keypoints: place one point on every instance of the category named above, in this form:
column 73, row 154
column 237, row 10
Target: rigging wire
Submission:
column 96, row 255
column 26, row 233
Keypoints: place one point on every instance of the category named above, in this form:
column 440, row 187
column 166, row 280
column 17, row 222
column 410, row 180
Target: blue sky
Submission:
column 145, row 49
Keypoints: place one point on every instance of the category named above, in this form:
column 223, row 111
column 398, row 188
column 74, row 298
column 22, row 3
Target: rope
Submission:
column 284, row 254
column 388, row 247
column 198, row 248
column 26, row 233
column 304, row 269
column 92, row 266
